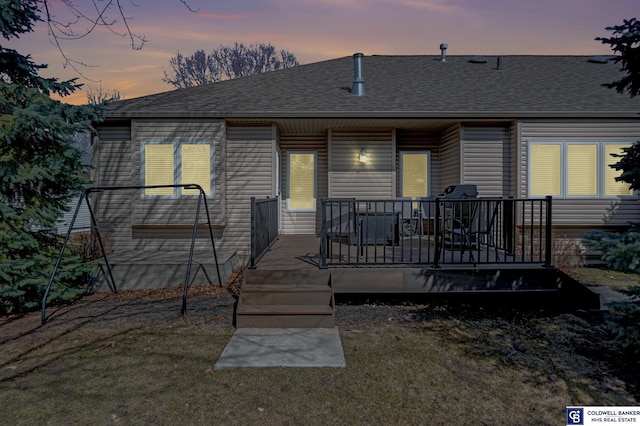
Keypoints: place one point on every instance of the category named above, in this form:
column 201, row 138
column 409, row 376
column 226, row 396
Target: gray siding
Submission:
column 112, row 167
column 349, row 178
column 250, row 170
column 181, row 211
column 420, row 141
column 450, row 162
column 581, row 212
column 487, row 160
column 304, row 222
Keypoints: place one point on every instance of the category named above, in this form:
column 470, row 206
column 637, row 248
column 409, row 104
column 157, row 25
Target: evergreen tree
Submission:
column 625, row 42
column 40, row 170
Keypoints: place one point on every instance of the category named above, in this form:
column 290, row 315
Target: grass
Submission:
column 600, row 276
column 432, row 364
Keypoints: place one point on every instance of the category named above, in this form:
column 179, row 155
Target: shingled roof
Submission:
column 405, row 86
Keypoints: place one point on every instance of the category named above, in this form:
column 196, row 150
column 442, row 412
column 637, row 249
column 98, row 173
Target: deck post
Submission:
column 548, row 261
column 437, row 236
column 323, row 235
column 252, row 264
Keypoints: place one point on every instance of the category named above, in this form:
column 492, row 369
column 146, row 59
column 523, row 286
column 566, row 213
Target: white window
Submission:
column 301, row 181
column 575, row 169
column 177, row 164
column 414, row 167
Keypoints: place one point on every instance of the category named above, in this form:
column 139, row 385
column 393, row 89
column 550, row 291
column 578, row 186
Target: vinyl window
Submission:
column 569, row 169
column 177, row 164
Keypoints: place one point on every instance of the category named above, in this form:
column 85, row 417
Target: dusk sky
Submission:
column 316, row 30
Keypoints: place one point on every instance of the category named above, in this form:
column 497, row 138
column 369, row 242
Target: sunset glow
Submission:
column 323, row 29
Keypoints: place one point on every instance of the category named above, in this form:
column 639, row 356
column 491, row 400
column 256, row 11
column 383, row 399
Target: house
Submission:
column 515, row 126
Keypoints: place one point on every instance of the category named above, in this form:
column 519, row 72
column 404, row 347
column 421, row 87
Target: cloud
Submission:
column 224, row 16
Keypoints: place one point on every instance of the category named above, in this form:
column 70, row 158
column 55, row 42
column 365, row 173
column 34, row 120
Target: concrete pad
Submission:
column 283, row 347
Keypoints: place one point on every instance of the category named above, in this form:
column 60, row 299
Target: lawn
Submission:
column 130, row 360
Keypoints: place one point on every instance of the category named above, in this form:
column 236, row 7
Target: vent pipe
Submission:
column 443, row 52
column 499, row 66
column 357, row 88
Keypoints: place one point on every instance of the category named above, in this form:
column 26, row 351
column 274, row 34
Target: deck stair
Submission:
column 286, row 299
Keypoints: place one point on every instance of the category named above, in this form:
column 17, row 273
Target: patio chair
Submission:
column 410, row 218
column 486, row 220
column 427, row 214
column 458, row 217
column 342, row 225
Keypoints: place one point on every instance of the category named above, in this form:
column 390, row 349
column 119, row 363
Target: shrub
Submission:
column 22, row 281
column 621, row 251
column 625, row 323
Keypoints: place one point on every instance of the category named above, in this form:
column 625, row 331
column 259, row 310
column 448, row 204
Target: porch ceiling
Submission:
column 320, row 125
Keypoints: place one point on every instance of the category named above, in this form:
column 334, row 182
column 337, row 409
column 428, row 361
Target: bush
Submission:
column 23, row 280
column 621, row 251
column 625, row 323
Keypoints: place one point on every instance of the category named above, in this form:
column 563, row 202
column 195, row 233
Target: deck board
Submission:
column 300, row 252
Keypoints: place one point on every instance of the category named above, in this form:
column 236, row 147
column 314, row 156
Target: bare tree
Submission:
column 225, row 63
column 68, row 20
column 100, row 96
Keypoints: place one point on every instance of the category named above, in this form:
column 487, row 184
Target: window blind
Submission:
column 582, row 169
column 611, row 186
column 414, row 175
column 158, row 168
column 301, row 181
column 545, row 169
column 196, row 167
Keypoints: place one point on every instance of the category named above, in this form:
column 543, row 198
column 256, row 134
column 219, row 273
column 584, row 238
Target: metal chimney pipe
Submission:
column 357, row 88
column 443, row 52
column 499, row 66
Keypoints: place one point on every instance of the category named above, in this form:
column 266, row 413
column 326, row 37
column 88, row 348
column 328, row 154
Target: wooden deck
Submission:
column 301, row 253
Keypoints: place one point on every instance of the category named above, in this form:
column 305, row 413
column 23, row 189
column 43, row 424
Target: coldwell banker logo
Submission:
column 575, row 416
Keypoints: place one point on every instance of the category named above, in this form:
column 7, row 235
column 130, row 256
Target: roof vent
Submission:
column 598, row 59
column 499, row 66
column 443, row 52
column 478, row 60
column 357, row 88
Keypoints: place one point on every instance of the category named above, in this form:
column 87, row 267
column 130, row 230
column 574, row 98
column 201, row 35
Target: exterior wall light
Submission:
column 363, row 157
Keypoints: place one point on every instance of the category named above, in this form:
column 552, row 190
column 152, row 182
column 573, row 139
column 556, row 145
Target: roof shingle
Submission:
column 404, row 86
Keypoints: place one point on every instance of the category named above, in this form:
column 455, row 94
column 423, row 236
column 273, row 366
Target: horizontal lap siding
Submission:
column 112, row 167
column 304, row 222
column 181, row 211
column 250, row 173
column 420, row 141
column 487, row 160
column 348, row 177
column 582, row 212
column 450, row 158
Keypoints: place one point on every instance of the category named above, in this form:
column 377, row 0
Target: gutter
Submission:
column 378, row 114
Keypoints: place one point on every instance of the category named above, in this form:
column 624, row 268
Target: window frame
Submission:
column 177, row 169
column 315, row 180
column 428, row 176
column 601, row 166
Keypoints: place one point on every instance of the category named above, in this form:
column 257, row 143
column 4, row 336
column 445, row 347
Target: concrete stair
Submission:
column 286, row 299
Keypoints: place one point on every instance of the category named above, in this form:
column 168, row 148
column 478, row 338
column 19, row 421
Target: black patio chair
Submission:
column 342, row 225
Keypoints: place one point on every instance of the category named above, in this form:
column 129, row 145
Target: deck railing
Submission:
column 435, row 231
column 264, row 227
